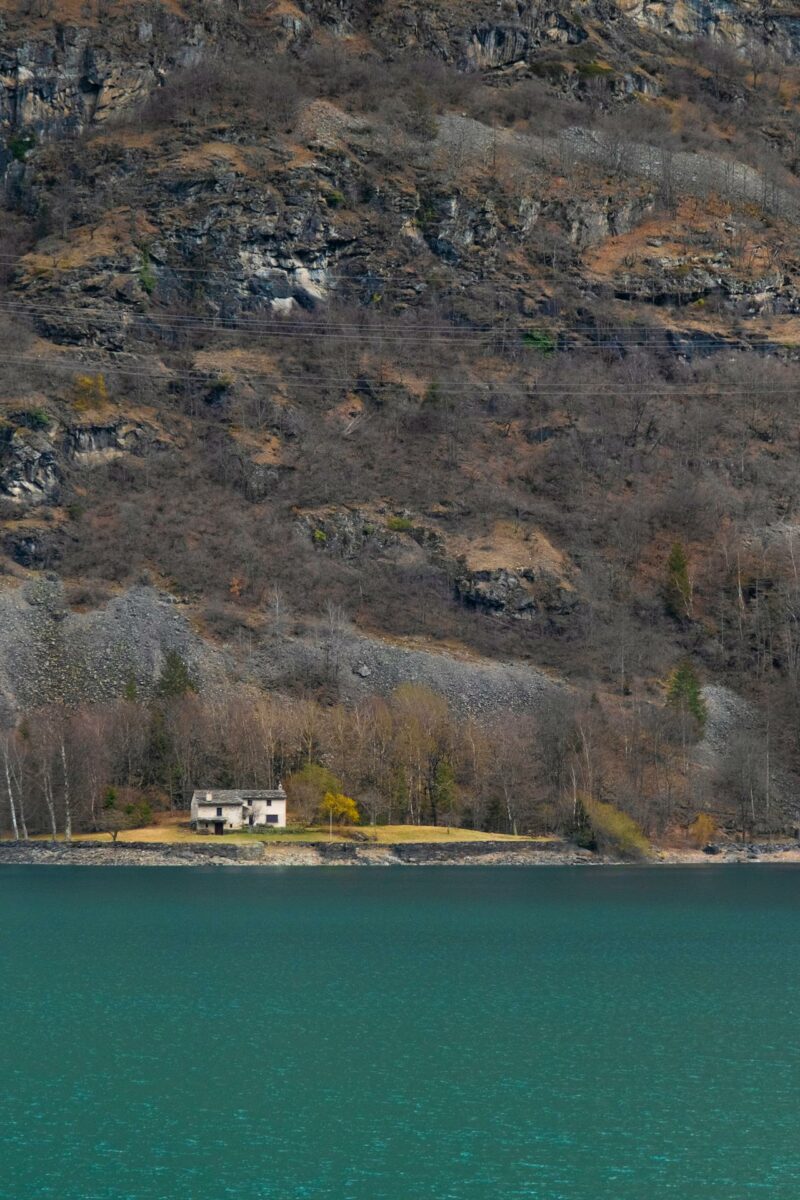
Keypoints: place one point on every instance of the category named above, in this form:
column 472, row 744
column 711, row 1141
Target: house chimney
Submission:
column 208, row 797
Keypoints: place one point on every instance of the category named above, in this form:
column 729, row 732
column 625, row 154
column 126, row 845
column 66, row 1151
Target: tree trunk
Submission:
column 512, row 822
column 67, row 805
column 10, row 791
column 93, row 794
column 47, row 789
column 22, row 816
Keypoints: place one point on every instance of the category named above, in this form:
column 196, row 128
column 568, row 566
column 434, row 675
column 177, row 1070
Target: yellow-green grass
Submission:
column 436, row 833
column 174, row 827
column 172, row 834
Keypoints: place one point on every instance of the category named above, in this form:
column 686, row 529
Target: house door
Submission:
column 219, row 828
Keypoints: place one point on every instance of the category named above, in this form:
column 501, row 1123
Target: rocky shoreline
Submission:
column 320, row 854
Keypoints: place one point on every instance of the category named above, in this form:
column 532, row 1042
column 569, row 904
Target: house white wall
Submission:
column 264, row 809
column 231, row 813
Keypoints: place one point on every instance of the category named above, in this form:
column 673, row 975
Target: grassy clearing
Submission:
column 384, row 834
column 174, row 827
column 175, row 833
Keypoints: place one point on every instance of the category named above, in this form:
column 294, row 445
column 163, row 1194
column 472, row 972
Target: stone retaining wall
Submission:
column 359, row 854
column 86, row 853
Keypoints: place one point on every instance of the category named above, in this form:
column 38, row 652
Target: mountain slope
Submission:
column 345, row 324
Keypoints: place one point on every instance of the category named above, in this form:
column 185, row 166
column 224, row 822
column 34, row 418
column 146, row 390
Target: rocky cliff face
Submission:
column 67, row 71
column 29, row 470
column 35, row 451
column 66, row 68
column 740, row 25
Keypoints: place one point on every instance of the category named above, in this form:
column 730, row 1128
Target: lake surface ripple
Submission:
column 606, row 1034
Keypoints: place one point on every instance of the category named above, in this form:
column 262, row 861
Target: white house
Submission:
column 221, row 810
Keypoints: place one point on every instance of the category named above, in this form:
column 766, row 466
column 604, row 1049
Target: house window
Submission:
column 219, row 810
column 272, row 818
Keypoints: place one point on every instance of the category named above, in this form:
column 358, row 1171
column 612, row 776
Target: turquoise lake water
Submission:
column 472, row 1034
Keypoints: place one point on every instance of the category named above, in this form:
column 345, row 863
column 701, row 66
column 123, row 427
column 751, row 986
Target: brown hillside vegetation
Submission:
column 358, row 331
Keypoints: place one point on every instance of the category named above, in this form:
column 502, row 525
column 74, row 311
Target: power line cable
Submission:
column 489, row 391
column 276, row 327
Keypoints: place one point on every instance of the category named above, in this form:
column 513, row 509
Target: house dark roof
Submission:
column 238, row 796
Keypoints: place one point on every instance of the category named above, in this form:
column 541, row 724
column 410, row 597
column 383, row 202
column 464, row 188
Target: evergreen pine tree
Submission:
column 679, row 585
column 175, row 678
column 683, row 693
